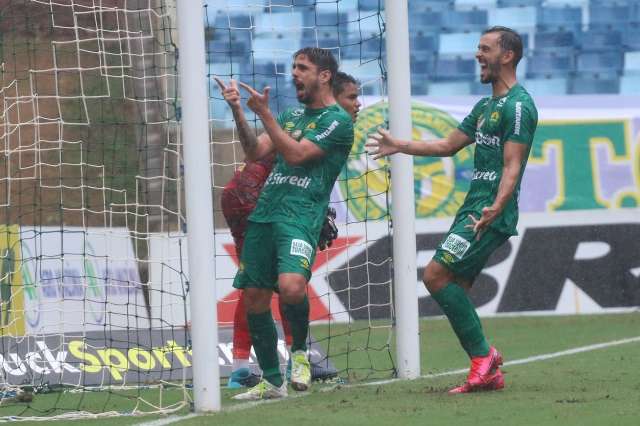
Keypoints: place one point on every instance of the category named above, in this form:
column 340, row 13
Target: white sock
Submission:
column 240, row 363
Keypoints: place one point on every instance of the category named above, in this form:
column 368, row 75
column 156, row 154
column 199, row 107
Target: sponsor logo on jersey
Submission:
column 495, row 116
column 289, row 125
column 489, row 175
column 328, row 131
column 501, row 102
column 304, row 263
column 488, row 140
column 279, row 179
column 480, row 122
column 296, row 134
column 516, row 130
column 456, row 245
column 301, row 248
column 447, row 258
column 311, row 126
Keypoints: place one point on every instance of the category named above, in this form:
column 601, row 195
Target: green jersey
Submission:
column 493, row 122
column 300, row 194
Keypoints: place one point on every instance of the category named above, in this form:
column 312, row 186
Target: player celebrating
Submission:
column 238, row 200
column 312, row 145
column 502, row 126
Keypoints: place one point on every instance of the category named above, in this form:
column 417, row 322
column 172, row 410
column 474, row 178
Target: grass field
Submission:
column 594, row 387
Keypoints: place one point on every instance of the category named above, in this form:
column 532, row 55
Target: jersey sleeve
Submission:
column 520, row 121
column 331, row 129
column 470, row 122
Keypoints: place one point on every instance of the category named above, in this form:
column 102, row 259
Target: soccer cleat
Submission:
column 242, row 377
column 263, row 390
column 496, row 382
column 483, row 368
column 300, row 371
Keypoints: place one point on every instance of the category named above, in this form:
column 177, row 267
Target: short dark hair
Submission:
column 321, row 58
column 341, row 80
column 509, row 40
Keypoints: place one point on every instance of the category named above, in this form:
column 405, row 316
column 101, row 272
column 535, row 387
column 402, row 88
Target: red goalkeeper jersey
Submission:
column 240, row 195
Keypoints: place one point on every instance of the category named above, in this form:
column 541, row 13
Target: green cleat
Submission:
column 300, row 371
column 263, row 390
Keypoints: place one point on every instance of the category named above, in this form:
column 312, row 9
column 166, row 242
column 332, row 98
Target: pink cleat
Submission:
column 496, row 382
column 484, row 372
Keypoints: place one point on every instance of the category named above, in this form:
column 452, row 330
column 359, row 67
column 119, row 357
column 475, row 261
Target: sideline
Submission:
column 543, row 357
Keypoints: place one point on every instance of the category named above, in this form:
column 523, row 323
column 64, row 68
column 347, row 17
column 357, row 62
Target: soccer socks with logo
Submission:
column 463, row 319
column 265, row 343
column 298, row 317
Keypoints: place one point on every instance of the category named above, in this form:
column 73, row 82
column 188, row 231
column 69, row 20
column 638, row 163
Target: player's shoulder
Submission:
column 336, row 112
column 520, row 95
column 295, row 111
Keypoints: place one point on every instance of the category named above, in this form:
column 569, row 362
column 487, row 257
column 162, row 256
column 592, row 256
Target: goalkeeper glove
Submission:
column 329, row 230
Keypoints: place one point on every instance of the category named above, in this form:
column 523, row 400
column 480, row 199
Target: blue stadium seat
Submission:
column 546, row 86
column 475, row 4
column 586, row 85
column 421, row 42
column 451, row 69
column 560, row 19
column 630, row 85
column 632, row 63
column 545, row 65
column 430, row 6
column 449, row 89
column 419, row 86
column 560, row 42
column 370, row 4
column 463, row 21
column 609, row 16
column 278, row 21
column 458, row 43
column 323, row 19
column 518, row 18
column 427, row 22
column 631, row 39
column 519, row 3
column 593, row 40
column 601, row 64
column 422, row 66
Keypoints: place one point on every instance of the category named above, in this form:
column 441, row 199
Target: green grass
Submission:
column 590, row 388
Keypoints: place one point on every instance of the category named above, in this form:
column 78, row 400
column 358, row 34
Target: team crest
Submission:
column 495, row 116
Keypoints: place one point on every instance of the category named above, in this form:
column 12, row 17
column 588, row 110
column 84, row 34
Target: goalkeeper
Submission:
column 238, row 200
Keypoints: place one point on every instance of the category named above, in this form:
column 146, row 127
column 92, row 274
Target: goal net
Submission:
column 94, row 284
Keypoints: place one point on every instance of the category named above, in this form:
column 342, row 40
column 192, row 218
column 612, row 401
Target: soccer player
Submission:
column 238, row 200
column 502, row 127
column 311, row 146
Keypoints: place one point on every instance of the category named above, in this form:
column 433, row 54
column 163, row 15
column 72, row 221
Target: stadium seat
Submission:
column 560, row 19
column 593, row 40
column 426, row 22
column 518, row 18
column 604, row 16
column 519, row 3
column 459, row 43
column 546, row 86
column 449, row 89
column 601, row 64
column 451, row 69
column 586, row 85
column 464, row 21
column 430, row 6
column 422, row 66
column 475, row 4
column 278, row 21
column 631, row 39
column 423, row 42
column 364, row 26
column 630, row 85
column 560, row 42
column 545, row 65
column 369, row 4
column 632, row 63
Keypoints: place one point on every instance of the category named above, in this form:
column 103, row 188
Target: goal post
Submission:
column 199, row 205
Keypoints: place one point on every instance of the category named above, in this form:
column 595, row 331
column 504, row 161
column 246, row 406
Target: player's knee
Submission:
column 435, row 277
column 256, row 300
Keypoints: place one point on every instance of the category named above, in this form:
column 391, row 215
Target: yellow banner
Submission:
column 11, row 289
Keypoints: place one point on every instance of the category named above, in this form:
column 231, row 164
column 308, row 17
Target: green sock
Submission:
column 298, row 317
column 463, row 319
column 265, row 342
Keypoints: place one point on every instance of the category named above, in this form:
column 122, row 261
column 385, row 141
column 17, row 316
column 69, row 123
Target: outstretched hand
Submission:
column 230, row 93
column 258, row 102
column 382, row 144
column 489, row 214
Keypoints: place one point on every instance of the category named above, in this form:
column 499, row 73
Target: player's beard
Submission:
column 309, row 93
column 492, row 73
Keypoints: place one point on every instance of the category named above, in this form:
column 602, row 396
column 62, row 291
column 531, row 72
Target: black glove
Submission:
column 329, row 230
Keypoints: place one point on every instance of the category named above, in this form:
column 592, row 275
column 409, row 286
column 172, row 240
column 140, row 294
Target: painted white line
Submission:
column 528, row 360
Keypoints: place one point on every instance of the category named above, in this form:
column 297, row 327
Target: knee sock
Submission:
column 241, row 336
column 298, row 317
column 463, row 319
column 265, row 343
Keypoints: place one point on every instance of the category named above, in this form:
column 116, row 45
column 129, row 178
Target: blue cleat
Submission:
column 241, row 378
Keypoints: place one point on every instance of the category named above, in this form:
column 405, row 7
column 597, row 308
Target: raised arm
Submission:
column 253, row 146
column 383, row 143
